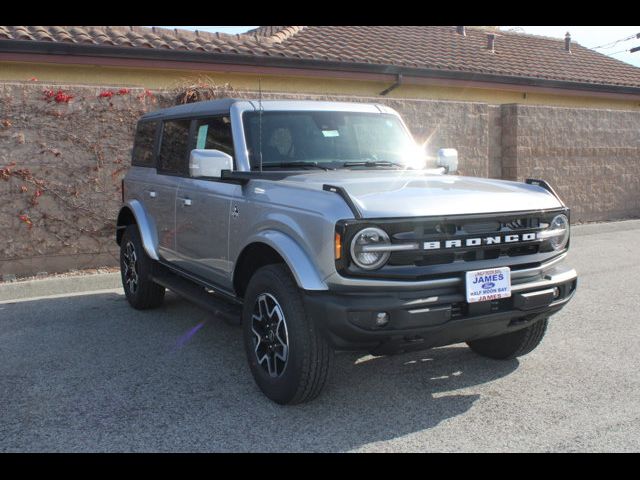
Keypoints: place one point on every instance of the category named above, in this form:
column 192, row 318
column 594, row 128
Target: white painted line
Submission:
column 119, row 291
column 59, row 286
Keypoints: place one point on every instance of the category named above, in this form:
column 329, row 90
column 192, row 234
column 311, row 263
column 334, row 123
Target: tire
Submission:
column 296, row 368
column 135, row 270
column 511, row 345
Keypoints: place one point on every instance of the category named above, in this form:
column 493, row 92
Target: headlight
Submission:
column 363, row 248
column 557, row 233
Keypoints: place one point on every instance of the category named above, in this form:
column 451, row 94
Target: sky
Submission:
column 227, row 29
column 589, row 37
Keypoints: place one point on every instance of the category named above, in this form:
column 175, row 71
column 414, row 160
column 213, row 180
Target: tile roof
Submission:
column 410, row 48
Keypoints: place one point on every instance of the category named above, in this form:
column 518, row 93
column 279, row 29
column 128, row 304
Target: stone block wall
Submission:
column 63, row 154
column 591, row 157
column 494, row 156
column 61, row 162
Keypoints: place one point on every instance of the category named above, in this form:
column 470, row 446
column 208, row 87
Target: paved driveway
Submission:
column 88, row 373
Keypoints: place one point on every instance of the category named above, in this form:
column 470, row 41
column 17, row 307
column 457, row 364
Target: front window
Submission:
column 330, row 140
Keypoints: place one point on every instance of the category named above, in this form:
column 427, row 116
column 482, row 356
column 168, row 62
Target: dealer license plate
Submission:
column 486, row 285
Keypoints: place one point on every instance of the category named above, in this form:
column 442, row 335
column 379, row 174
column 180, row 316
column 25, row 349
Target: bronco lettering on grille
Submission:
column 478, row 241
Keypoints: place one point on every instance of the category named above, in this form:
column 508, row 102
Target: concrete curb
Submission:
column 59, row 286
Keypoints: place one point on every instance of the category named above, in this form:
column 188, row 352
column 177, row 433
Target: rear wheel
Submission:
column 511, row 345
column 135, row 269
column 288, row 357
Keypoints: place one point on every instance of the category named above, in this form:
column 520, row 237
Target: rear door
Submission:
column 162, row 189
column 203, row 207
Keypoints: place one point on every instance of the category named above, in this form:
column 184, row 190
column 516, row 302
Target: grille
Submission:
column 463, row 229
column 465, row 242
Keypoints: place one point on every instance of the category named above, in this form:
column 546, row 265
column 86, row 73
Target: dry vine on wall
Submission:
column 63, row 154
column 203, row 88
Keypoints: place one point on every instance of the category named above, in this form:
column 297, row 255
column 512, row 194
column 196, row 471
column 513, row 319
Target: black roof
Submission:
column 208, row 107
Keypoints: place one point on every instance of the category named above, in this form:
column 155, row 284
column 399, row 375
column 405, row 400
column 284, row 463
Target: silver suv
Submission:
column 323, row 226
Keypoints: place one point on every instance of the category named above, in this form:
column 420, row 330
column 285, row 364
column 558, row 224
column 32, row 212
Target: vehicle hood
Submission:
column 388, row 193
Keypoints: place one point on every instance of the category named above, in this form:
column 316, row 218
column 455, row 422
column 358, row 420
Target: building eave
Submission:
column 71, row 53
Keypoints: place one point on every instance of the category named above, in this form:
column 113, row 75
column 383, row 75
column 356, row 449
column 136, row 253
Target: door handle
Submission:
column 153, row 194
column 186, row 201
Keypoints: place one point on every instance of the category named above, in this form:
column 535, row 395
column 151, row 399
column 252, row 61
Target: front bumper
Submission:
column 437, row 316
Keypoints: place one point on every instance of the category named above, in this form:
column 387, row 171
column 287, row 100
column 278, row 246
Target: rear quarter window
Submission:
column 142, row 155
column 173, row 148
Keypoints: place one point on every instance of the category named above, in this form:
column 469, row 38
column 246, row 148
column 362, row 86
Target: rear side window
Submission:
column 173, row 147
column 143, row 145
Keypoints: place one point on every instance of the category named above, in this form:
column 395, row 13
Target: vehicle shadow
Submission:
column 89, row 373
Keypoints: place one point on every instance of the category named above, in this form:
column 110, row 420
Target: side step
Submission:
column 230, row 312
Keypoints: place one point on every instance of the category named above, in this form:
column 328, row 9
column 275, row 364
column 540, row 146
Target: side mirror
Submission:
column 448, row 158
column 209, row 163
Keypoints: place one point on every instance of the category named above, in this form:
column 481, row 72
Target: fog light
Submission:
column 382, row 318
column 556, row 292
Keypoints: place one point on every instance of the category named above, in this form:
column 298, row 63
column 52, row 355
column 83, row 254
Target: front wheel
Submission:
column 288, row 357
column 511, row 345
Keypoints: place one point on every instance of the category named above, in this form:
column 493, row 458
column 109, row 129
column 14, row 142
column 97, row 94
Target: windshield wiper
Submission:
column 296, row 165
column 371, row 163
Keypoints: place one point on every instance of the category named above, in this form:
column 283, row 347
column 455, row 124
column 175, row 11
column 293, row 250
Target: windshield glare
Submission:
column 330, row 139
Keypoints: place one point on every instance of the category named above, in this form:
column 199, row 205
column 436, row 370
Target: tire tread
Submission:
column 317, row 358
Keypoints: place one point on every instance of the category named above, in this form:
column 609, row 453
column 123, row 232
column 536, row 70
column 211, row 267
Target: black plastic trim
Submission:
column 337, row 315
column 545, row 185
column 345, row 196
column 196, row 293
column 447, row 218
column 446, row 270
column 222, row 292
column 245, row 177
column 236, row 177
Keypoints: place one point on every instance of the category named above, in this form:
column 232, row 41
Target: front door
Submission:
column 203, row 208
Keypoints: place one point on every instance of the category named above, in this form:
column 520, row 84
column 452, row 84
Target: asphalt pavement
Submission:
column 85, row 372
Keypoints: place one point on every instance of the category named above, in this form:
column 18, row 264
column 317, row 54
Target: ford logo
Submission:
column 488, row 285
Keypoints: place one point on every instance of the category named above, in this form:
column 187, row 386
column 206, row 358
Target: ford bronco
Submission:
column 323, row 226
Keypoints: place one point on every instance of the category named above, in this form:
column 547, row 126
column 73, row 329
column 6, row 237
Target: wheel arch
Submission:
column 133, row 213
column 275, row 247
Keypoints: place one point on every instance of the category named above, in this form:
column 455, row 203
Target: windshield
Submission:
column 328, row 140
